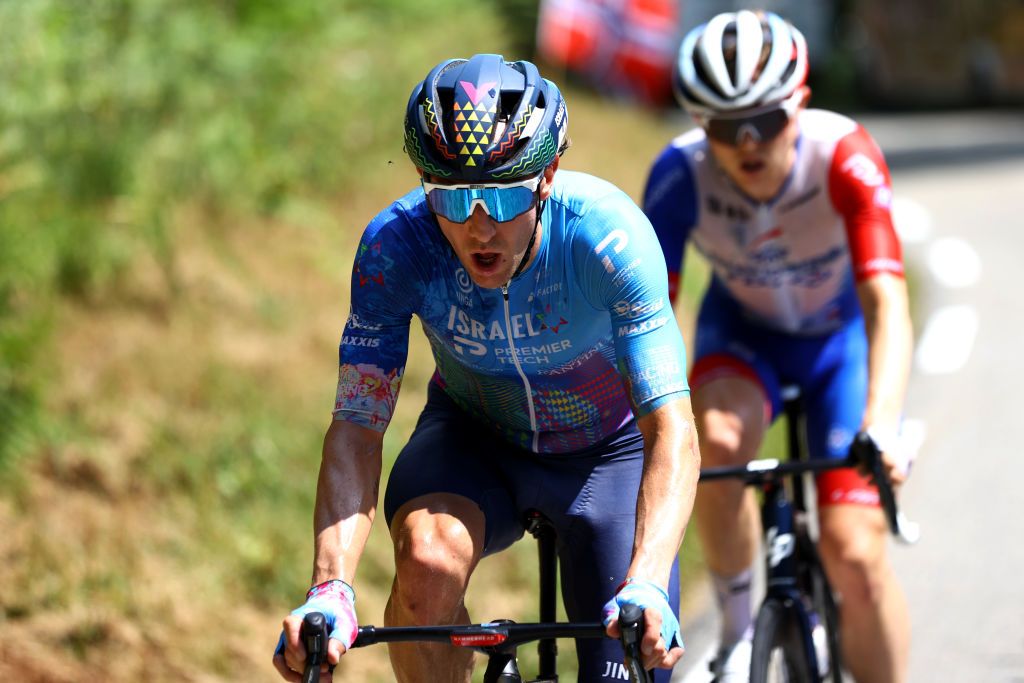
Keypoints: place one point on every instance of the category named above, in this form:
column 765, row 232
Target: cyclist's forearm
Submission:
column 890, row 341
column 665, row 498
column 346, row 500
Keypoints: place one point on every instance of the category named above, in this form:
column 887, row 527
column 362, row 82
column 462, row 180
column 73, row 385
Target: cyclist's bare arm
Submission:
column 346, row 499
column 346, row 502
column 883, row 298
column 664, row 503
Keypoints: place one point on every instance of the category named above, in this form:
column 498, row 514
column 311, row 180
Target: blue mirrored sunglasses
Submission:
column 501, row 201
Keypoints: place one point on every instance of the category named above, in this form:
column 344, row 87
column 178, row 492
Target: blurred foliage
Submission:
column 115, row 113
column 181, row 138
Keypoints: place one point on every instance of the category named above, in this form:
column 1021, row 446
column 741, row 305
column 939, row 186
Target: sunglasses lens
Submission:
column 505, row 204
column 761, row 127
column 501, row 203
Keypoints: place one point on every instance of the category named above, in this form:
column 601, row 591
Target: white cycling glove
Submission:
column 892, row 443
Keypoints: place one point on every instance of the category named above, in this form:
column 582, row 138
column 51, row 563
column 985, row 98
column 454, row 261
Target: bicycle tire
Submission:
column 778, row 654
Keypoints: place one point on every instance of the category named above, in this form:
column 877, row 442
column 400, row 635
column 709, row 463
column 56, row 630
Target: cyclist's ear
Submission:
column 806, row 98
column 545, row 188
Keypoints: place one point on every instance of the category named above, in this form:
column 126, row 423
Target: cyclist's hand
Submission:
column 897, row 457
column 336, row 601
column 662, row 644
column 894, row 470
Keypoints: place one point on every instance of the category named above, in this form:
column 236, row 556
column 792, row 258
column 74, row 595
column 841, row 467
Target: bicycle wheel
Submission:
column 778, row 654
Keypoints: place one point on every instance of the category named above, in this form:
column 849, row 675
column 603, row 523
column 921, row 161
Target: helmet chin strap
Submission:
column 526, row 254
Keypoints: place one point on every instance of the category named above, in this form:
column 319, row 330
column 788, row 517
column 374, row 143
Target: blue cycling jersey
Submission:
column 584, row 339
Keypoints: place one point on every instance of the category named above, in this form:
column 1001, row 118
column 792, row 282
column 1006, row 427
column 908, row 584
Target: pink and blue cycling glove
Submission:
column 336, row 600
column 645, row 594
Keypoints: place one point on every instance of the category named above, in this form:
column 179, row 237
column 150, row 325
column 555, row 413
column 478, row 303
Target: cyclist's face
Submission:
column 759, row 167
column 491, row 251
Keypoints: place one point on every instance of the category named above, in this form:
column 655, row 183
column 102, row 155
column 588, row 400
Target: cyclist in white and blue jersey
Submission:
column 791, row 209
column 560, row 382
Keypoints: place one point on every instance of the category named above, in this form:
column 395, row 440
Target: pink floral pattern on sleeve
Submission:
column 367, row 394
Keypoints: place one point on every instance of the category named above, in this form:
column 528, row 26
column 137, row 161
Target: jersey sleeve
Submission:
column 861, row 191
column 375, row 343
column 621, row 268
column 670, row 202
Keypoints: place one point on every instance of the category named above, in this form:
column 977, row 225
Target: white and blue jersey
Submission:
column 791, row 263
column 585, row 339
column 782, row 307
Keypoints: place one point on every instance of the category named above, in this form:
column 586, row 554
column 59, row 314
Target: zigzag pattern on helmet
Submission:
column 512, row 134
column 435, row 131
column 536, row 157
column 412, row 146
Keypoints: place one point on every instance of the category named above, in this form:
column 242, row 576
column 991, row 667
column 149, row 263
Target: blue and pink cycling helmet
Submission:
column 485, row 119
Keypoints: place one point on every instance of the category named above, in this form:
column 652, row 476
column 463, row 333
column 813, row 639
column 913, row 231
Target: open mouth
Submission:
column 486, row 260
column 752, row 166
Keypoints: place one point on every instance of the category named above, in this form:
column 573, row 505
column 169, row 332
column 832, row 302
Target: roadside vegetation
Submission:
column 181, row 188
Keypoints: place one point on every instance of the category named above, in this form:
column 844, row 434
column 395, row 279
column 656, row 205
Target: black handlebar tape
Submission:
column 631, row 621
column 313, row 634
column 886, row 496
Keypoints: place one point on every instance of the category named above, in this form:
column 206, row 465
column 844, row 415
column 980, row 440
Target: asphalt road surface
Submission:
column 959, row 183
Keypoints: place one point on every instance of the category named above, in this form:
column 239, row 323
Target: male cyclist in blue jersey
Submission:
column 790, row 207
column 559, row 385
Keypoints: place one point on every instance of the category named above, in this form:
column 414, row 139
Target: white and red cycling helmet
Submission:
column 738, row 61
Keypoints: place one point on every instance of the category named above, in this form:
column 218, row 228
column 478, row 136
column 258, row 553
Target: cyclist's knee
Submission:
column 730, row 416
column 853, row 548
column 726, row 437
column 436, row 548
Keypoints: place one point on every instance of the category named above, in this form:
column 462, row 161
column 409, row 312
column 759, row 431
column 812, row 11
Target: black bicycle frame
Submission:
column 791, row 555
column 790, row 558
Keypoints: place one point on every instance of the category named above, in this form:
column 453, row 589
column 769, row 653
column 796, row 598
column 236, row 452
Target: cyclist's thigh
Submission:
column 732, row 414
column 450, row 453
column 591, row 500
column 735, row 386
column 834, row 399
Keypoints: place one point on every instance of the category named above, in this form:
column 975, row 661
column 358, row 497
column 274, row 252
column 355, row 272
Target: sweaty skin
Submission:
column 346, row 503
